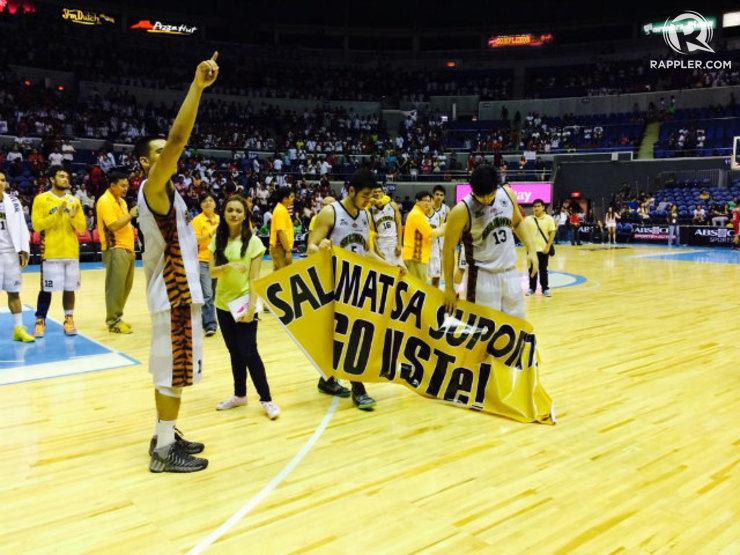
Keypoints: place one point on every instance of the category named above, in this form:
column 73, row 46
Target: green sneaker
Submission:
column 21, row 334
column 363, row 401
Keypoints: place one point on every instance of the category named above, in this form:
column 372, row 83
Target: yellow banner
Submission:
column 357, row 320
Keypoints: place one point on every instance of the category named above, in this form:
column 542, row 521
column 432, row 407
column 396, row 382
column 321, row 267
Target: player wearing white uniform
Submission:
column 14, row 249
column 459, row 277
column 348, row 232
column 173, row 281
column 437, row 219
column 346, row 224
column 387, row 222
column 174, row 295
column 486, row 220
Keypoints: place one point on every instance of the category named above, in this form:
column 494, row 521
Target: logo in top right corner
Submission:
column 688, row 32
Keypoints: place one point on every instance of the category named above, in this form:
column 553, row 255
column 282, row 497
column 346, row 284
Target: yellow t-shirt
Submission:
column 203, row 226
column 110, row 210
column 232, row 284
column 547, row 224
column 417, row 237
column 58, row 231
column 281, row 222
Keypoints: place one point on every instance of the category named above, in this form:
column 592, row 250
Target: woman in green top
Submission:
column 236, row 258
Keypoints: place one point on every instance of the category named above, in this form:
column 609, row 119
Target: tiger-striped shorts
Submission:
column 176, row 354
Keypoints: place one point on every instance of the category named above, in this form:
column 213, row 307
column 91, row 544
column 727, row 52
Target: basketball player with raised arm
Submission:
column 173, row 288
column 487, row 219
column 387, row 220
column 346, row 224
column 437, row 218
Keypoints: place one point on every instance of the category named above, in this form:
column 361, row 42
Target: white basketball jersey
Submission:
column 350, row 233
column 6, row 243
column 435, row 220
column 489, row 243
column 385, row 221
column 462, row 262
column 155, row 247
column 444, row 212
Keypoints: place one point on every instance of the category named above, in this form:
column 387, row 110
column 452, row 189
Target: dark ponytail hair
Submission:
column 222, row 232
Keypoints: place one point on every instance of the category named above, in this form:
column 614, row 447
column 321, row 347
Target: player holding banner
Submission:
column 486, row 220
column 387, row 219
column 346, row 224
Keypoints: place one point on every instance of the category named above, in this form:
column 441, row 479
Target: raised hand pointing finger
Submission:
column 207, row 71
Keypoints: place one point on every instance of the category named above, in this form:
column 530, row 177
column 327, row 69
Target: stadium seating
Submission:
column 716, row 127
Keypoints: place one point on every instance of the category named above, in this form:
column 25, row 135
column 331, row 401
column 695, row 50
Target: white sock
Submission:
column 18, row 319
column 68, row 313
column 165, row 433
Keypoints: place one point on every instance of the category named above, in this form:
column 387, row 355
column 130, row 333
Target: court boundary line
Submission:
column 579, row 279
column 31, row 380
column 111, row 351
column 124, row 355
column 271, row 485
column 96, row 265
column 669, row 254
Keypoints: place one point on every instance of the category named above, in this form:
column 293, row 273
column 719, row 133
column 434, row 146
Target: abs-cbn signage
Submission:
column 526, row 192
column 704, row 236
column 83, row 17
column 650, row 233
column 587, row 229
column 163, row 28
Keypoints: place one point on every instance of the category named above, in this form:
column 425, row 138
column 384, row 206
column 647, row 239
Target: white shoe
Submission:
column 232, row 402
column 271, row 409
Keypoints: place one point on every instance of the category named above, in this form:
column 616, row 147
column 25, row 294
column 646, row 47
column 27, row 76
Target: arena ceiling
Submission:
column 428, row 15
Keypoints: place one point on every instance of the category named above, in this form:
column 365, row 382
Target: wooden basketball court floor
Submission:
column 641, row 359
